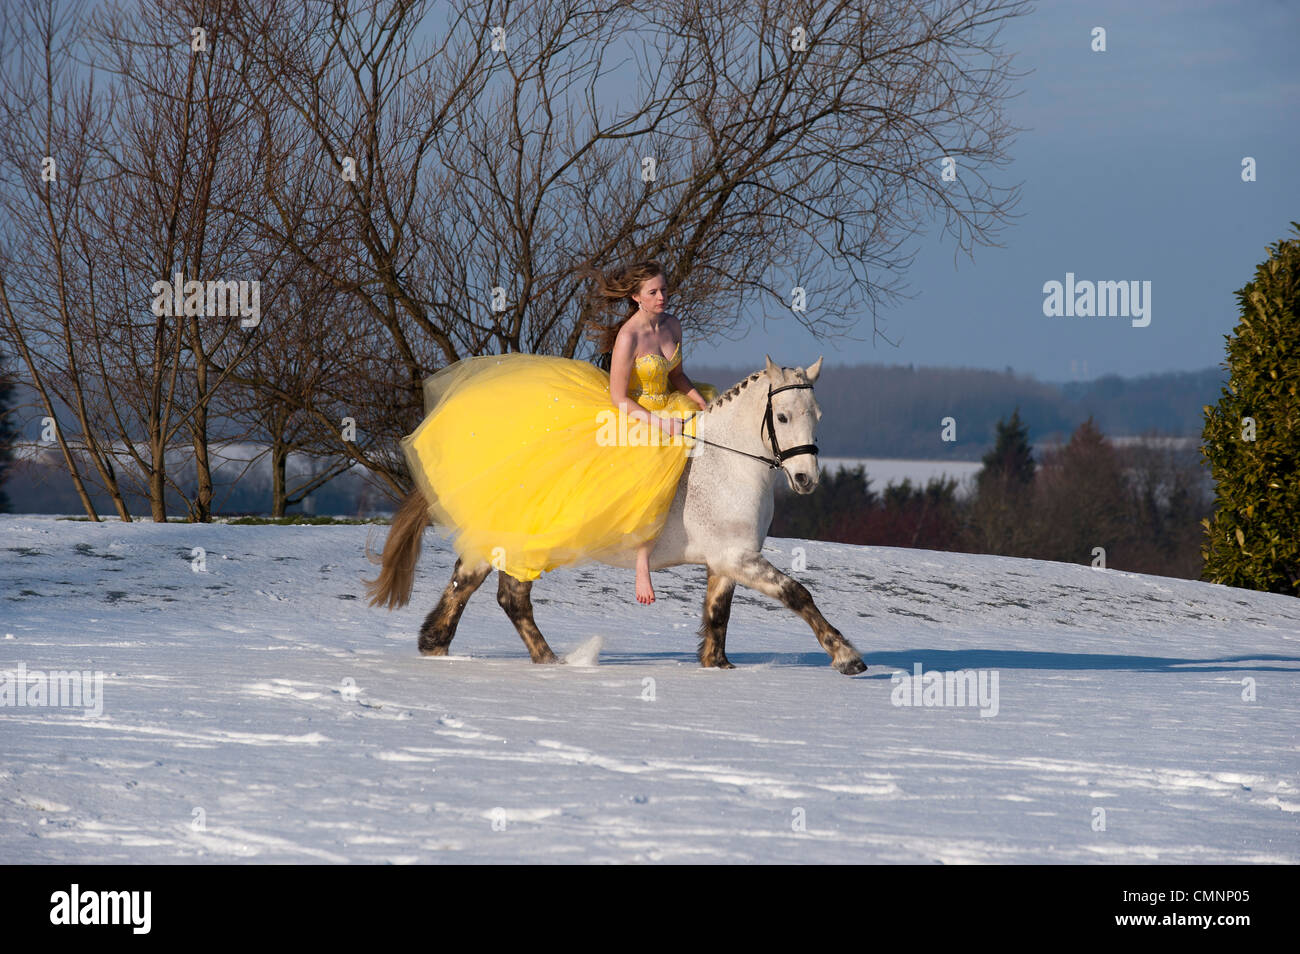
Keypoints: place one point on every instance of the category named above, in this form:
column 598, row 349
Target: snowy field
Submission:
column 260, row 711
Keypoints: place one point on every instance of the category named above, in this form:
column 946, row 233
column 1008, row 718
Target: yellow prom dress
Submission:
column 526, row 462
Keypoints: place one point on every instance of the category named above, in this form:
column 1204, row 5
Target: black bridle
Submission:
column 769, row 429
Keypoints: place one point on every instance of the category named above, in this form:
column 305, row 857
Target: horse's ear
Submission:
column 814, row 369
column 772, row 370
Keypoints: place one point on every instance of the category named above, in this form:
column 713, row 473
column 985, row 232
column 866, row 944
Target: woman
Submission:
column 533, row 462
column 641, row 372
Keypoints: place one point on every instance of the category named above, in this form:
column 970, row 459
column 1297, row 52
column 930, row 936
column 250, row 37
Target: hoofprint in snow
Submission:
column 259, row 710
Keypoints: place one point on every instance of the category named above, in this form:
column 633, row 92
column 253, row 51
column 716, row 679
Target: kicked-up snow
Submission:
column 250, row 706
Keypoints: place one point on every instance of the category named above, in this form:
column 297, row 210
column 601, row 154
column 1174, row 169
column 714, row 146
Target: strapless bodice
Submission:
column 647, row 381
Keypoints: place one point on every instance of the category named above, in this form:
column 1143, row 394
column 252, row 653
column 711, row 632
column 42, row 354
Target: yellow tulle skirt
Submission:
column 527, row 464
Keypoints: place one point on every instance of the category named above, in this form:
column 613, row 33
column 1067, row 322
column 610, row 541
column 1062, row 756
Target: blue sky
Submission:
column 1131, row 170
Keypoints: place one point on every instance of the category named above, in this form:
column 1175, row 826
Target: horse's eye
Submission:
column 781, row 418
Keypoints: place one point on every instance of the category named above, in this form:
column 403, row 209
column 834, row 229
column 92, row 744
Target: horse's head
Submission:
column 790, row 423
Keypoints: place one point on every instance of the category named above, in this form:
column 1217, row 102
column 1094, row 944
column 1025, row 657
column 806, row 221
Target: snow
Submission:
column 260, row 711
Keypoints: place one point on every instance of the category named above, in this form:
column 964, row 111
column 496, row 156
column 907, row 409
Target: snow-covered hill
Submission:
column 260, row 710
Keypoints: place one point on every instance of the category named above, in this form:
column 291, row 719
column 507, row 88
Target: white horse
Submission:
column 719, row 518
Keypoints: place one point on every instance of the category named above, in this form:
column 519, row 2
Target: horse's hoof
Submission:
column 851, row 667
column 720, row 663
column 433, row 650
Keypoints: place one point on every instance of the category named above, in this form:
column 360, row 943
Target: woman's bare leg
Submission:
column 645, row 592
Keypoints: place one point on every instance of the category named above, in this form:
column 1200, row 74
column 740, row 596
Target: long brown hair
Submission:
column 611, row 288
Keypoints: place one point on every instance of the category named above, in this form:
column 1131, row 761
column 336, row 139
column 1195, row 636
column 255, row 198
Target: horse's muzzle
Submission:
column 801, row 483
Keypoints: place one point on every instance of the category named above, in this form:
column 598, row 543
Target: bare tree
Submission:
column 283, row 389
column 1170, row 492
column 181, row 155
column 472, row 171
column 51, row 121
column 1081, row 501
column 442, row 176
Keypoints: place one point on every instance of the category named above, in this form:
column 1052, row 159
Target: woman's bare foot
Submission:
column 645, row 592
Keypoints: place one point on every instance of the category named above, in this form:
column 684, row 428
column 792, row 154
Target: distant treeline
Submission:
column 1137, row 508
column 868, row 411
column 895, row 411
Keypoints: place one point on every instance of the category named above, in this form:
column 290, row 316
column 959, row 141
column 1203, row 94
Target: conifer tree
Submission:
column 1011, row 460
column 1251, row 438
column 998, row 518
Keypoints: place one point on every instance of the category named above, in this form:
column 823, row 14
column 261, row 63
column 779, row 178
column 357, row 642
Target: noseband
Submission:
column 769, row 429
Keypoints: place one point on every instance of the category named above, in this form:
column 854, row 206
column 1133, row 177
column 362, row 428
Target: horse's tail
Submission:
column 401, row 552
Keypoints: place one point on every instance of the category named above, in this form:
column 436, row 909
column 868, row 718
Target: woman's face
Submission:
column 652, row 298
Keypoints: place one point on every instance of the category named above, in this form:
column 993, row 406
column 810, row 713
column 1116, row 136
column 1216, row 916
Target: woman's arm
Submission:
column 682, row 383
column 677, row 376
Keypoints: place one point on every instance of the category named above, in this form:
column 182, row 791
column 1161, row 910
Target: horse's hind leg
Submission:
column 757, row 573
column 515, row 598
column 439, row 626
column 713, row 629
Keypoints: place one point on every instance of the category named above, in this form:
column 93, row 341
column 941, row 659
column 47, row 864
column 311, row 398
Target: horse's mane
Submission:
column 736, row 388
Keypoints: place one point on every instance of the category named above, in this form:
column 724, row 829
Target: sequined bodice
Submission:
column 648, row 379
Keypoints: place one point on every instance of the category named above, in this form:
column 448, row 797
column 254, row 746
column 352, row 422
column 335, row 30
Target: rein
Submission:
column 770, row 429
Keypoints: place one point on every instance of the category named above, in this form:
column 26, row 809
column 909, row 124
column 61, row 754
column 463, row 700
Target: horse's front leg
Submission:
column 713, row 629
column 515, row 597
column 757, row 573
